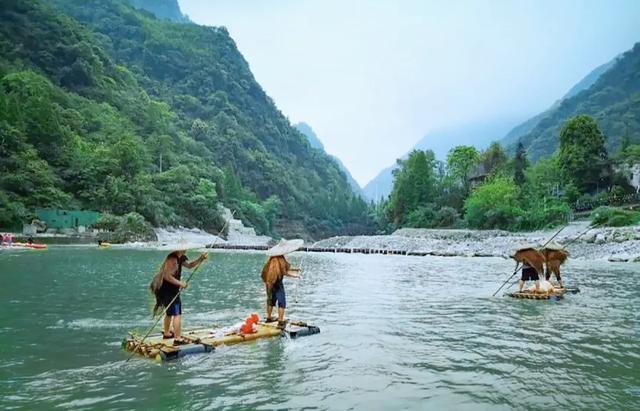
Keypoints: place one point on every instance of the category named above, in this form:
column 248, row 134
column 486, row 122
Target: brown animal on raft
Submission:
column 532, row 257
column 554, row 256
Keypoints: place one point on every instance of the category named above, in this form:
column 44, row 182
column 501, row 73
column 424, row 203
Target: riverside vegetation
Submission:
column 106, row 107
column 512, row 194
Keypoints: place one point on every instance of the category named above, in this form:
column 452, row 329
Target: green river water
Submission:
column 397, row 333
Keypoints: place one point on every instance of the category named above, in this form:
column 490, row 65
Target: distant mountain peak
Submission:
column 306, row 129
column 610, row 93
column 162, row 9
column 523, row 129
column 315, row 142
column 440, row 141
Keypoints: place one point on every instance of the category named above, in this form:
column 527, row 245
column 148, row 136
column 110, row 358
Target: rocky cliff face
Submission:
column 238, row 234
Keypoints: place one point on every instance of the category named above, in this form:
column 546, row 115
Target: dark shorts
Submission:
column 277, row 296
column 175, row 308
column 529, row 274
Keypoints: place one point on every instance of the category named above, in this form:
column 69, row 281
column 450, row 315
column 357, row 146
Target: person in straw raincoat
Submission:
column 274, row 270
column 166, row 285
column 532, row 265
column 554, row 255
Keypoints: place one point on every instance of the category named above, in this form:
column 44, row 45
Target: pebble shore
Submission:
column 607, row 243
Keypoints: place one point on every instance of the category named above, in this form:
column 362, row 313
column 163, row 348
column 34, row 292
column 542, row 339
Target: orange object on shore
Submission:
column 249, row 324
column 32, row 245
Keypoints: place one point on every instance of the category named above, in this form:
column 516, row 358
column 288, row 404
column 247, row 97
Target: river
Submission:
column 397, row 332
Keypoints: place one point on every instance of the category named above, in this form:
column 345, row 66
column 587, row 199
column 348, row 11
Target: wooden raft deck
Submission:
column 531, row 295
column 204, row 340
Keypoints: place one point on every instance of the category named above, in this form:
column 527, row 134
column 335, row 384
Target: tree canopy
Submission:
column 582, row 154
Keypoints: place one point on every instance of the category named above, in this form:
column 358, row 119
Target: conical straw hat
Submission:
column 526, row 246
column 180, row 244
column 285, row 247
column 554, row 246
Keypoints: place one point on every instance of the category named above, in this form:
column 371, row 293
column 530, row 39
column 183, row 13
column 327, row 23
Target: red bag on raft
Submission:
column 249, row 324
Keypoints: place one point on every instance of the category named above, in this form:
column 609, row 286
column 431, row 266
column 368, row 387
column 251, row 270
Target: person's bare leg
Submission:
column 537, row 286
column 269, row 306
column 280, row 314
column 521, row 284
column 166, row 324
column 177, row 326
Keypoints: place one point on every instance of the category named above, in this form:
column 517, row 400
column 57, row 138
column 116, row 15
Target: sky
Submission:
column 373, row 77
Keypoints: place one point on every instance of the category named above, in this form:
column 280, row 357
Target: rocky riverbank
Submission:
column 613, row 244
column 191, row 238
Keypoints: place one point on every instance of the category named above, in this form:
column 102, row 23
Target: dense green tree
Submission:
column 461, row 161
column 493, row 159
column 494, row 205
column 631, row 154
column 582, row 155
column 414, row 185
column 544, row 179
column 520, row 164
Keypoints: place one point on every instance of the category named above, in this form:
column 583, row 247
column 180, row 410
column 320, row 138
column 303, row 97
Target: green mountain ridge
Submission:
column 315, row 142
column 109, row 108
column 306, row 129
column 162, row 9
column 610, row 94
column 526, row 127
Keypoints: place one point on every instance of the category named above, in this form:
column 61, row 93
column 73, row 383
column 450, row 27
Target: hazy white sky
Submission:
column 372, row 77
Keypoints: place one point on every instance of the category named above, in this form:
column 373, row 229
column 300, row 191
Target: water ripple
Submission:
column 397, row 332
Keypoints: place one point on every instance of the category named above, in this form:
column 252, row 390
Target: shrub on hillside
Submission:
column 429, row 216
column 614, row 217
column 446, row 217
column 544, row 217
column 494, row 205
column 108, row 222
column 127, row 228
column 421, row 217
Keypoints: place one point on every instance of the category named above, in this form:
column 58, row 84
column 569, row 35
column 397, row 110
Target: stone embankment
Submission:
column 613, row 244
column 238, row 234
column 191, row 238
column 583, row 242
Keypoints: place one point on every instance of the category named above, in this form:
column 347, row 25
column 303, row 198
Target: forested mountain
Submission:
column 522, row 129
column 480, row 135
column 109, row 108
column 306, row 129
column 610, row 94
column 440, row 141
column 163, row 9
column 380, row 186
column 315, row 142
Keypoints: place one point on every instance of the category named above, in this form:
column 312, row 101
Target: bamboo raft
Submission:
column 204, row 340
column 557, row 293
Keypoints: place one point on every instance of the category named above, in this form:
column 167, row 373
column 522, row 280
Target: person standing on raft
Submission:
column 166, row 285
column 275, row 269
column 532, row 265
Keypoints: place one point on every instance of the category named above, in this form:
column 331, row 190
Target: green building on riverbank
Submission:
column 61, row 219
